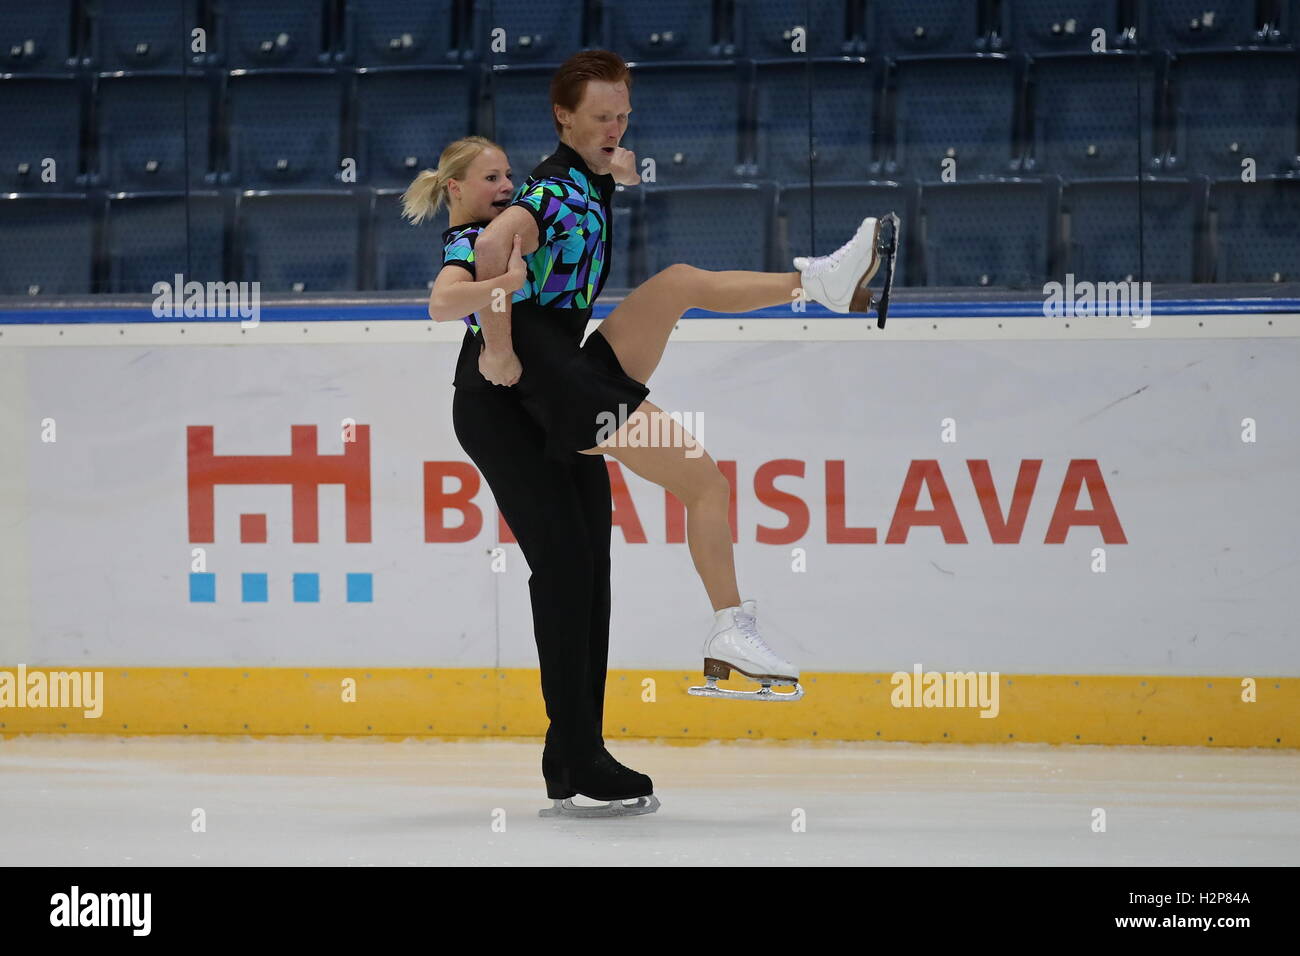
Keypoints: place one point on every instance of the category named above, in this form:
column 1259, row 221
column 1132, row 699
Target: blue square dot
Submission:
column 359, row 588
column 254, row 587
column 203, row 587
column 306, row 587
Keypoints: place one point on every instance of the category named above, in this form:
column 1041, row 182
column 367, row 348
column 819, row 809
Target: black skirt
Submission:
column 586, row 400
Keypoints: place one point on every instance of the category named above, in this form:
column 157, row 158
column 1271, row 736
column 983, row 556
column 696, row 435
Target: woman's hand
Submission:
column 623, row 167
column 499, row 368
column 516, row 274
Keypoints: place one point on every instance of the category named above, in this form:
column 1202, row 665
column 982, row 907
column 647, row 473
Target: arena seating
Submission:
column 1014, row 148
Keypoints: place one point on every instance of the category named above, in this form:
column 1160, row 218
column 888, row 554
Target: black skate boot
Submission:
column 556, row 777
column 557, row 754
column 598, row 776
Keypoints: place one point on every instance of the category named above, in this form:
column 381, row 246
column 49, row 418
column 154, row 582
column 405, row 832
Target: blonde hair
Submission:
column 426, row 194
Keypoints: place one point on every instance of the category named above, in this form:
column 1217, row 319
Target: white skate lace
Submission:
column 749, row 627
column 824, row 263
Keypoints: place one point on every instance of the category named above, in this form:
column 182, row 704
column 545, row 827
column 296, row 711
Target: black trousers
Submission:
column 559, row 511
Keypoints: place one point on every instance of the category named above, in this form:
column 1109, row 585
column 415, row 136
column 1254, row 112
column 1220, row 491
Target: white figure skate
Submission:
column 735, row 644
column 839, row 280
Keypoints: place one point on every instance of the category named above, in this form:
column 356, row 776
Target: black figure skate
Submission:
column 600, row 777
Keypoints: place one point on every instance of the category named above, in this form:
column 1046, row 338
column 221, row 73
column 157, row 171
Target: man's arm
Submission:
column 491, row 256
column 456, row 293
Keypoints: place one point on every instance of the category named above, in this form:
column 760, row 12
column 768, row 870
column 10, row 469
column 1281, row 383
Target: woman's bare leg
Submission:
column 682, row 466
column 637, row 330
column 639, row 326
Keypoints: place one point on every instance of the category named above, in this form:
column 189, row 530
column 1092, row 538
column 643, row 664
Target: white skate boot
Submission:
column 839, row 280
column 735, row 644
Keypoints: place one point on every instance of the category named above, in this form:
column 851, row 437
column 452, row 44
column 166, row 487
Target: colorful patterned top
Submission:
column 572, row 208
column 458, row 250
column 570, row 205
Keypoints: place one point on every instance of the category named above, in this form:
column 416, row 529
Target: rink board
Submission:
column 446, row 702
column 1102, row 517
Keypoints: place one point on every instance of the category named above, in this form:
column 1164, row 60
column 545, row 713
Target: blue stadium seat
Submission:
column 41, row 119
column 536, row 31
column 843, row 111
column 275, row 34
column 1258, row 230
column 301, row 241
column 151, row 238
column 406, row 256
column 692, row 138
column 37, row 37
column 710, row 227
column 1072, row 137
column 767, row 28
column 925, row 27
column 144, row 35
column 838, row 209
column 46, row 245
column 629, row 205
column 660, row 30
column 963, row 108
column 1230, row 106
column 1193, row 24
column 399, row 33
column 990, row 234
column 142, row 122
column 1060, row 26
column 1104, row 218
column 397, row 132
column 284, row 128
column 1285, row 24
column 521, row 110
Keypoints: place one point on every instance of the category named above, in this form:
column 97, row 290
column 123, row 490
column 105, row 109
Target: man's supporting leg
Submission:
column 592, row 481
column 541, row 503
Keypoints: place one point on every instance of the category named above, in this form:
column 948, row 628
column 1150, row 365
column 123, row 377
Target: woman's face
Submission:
column 486, row 189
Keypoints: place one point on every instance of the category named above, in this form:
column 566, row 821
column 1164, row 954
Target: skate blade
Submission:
column 887, row 247
column 632, row 807
column 711, row 689
column 861, row 300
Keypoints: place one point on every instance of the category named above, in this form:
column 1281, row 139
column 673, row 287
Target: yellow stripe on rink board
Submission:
column 402, row 702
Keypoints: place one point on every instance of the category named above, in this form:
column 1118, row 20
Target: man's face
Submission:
column 598, row 124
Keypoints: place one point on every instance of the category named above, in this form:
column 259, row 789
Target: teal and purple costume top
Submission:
column 458, row 250
column 572, row 208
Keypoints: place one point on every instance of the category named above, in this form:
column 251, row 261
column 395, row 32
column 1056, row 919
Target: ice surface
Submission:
column 100, row 800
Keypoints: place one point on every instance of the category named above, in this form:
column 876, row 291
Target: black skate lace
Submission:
column 604, row 758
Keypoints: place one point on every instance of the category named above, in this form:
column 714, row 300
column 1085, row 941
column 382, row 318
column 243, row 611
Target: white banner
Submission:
column 1067, row 507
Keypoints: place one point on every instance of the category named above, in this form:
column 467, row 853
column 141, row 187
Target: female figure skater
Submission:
column 542, row 255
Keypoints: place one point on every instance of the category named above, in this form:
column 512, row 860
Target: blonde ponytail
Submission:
column 426, row 194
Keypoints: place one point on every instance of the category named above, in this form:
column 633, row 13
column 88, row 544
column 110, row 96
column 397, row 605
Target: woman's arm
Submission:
column 455, row 293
